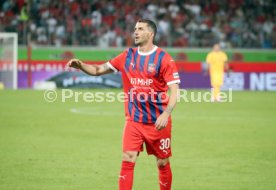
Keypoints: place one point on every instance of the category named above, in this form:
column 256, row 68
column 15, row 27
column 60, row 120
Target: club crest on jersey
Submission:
column 151, row 67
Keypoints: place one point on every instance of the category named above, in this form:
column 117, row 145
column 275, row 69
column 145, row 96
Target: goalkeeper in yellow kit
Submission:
column 217, row 62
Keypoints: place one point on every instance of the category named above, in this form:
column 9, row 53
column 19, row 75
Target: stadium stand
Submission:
column 105, row 23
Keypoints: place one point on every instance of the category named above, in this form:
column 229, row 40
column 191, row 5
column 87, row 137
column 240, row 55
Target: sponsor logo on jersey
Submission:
column 141, row 81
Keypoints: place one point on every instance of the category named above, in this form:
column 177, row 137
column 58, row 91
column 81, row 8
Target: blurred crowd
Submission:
column 107, row 23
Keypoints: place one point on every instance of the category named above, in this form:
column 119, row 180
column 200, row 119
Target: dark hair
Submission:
column 151, row 24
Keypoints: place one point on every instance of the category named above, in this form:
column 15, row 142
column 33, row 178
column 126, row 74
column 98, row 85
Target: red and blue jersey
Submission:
column 146, row 77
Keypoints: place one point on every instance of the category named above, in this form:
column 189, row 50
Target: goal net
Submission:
column 8, row 60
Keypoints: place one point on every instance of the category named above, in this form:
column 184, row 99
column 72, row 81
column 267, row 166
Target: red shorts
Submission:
column 157, row 142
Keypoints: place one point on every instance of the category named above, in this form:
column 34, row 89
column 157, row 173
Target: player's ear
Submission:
column 152, row 34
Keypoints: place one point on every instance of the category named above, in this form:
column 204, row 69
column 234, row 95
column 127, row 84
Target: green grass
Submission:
column 216, row 146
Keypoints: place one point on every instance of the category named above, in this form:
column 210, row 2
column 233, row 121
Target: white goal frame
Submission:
column 14, row 57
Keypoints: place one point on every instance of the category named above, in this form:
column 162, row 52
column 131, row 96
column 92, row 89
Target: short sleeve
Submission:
column 169, row 70
column 117, row 63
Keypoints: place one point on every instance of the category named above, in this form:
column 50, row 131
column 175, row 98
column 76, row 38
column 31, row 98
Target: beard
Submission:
column 140, row 42
column 137, row 43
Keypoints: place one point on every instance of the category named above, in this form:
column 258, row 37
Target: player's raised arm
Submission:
column 94, row 70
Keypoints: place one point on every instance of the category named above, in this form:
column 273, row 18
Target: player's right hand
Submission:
column 74, row 63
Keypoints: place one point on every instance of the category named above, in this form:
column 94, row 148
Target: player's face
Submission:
column 216, row 47
column 142, row 34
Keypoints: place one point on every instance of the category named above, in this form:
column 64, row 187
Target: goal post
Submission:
column 8, row 59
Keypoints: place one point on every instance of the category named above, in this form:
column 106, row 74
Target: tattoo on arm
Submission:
column 169, row 109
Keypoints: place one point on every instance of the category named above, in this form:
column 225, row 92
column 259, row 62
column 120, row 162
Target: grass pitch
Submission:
column 77, row 145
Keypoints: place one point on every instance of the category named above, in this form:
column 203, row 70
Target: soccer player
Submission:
column 217, row 62
column 147, row 72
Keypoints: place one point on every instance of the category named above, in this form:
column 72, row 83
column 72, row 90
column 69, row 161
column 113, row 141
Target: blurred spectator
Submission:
column 105, row 23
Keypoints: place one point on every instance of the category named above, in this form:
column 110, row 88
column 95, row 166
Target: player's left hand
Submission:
column 162, row 121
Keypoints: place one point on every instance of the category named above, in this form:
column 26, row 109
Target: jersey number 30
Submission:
column 165, row 143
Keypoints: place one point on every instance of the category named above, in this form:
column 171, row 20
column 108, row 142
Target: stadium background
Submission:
column 216, row 146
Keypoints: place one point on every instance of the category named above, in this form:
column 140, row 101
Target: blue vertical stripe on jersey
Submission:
column 159, row 103
column 159, row 61
column 152, row 57
column 144, row 110
column 142, row 63
column 135, row 59
column 152, row 110
column 130, row 104
column 136, row 111
column 128, row 59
